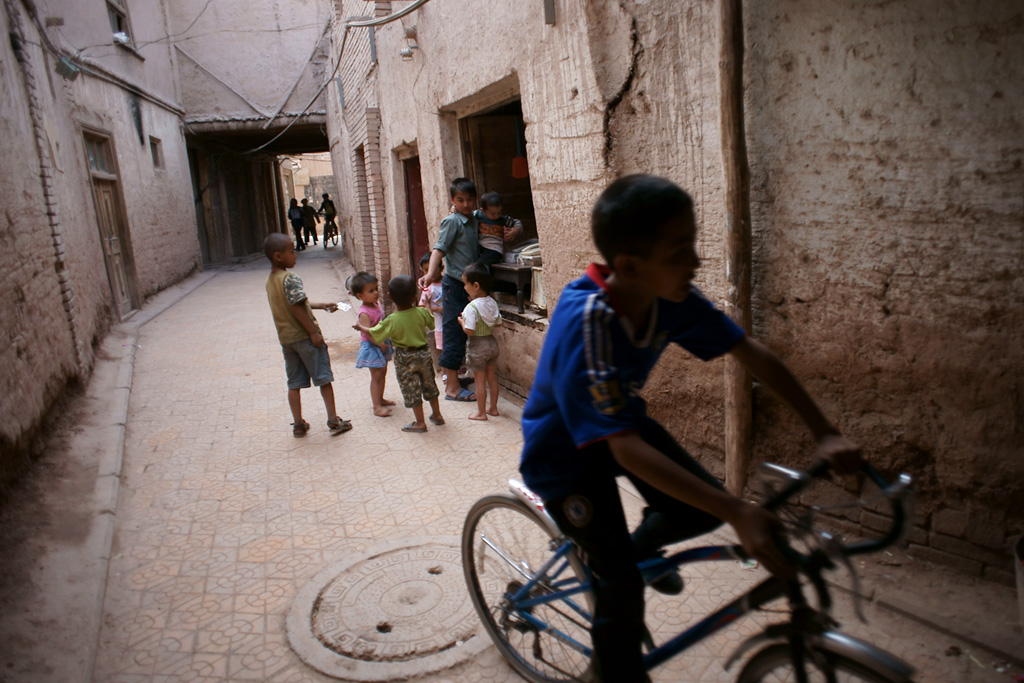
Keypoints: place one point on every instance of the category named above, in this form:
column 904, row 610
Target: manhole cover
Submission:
column 401, row 610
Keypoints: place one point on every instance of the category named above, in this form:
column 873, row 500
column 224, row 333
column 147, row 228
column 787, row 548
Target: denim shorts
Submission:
column 306, row 363
column 370, row 355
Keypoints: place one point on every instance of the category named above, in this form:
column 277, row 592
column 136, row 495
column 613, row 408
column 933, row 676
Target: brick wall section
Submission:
column 355, row 157
column 375, row 193
column 362, row 224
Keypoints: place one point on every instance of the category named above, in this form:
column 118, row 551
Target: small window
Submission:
column 117, row 12
column 98, row 152
column 157, row 150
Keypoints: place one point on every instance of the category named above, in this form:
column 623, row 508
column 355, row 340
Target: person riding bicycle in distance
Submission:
column 585, row 422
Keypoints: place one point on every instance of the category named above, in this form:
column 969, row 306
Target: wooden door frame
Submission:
column 121, row 225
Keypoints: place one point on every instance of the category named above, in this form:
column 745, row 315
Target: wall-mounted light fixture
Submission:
column 67, row 69
column 410, row 43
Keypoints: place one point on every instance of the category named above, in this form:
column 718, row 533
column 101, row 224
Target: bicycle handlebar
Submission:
column 895, row 494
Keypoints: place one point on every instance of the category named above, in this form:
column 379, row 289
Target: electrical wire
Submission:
column 102, row 74
column 349, row 24
column 299, row 27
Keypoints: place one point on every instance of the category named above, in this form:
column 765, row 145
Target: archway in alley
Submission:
column 241, row 196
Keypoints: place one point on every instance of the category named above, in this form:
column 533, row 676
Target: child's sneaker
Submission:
column 300, row 429
column 339, row 426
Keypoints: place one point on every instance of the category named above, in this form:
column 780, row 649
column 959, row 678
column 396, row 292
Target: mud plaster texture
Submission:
column 886, row 166
column 55, row 294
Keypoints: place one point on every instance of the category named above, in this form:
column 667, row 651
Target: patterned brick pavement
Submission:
column 223, row 516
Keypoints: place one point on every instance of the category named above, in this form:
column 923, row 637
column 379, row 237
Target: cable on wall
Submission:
column 349, row 24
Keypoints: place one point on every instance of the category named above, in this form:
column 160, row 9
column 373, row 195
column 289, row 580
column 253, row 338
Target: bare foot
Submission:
column 477, row 416
column 494, row 412
column 437, row 419
column 385, row 402
column 382, row 412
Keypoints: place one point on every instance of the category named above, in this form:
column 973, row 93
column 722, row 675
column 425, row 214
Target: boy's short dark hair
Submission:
column 631, row 214
column 324, row 195
column 360, row 280
column 275, row 243
column 402, row 290
column 477, row 273
column 464, row 185
column 424, row 260
column 489, row 199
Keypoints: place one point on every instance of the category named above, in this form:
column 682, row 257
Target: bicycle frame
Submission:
column 764, row 592
column 821, row 639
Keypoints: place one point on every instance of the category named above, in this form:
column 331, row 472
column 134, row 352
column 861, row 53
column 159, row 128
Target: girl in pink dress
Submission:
column 372, row 355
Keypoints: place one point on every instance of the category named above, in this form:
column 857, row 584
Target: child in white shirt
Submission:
column 479, row 319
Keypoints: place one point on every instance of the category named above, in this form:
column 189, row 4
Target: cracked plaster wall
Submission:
column 885, row 148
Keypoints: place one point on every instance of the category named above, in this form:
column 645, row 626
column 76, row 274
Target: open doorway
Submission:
column 491, row 141
column 494, row 156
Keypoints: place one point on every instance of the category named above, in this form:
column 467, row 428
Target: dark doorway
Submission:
column 419, row 242
column 490, row 142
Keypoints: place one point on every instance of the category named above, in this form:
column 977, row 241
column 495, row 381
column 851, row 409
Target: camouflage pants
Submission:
column 415, row 370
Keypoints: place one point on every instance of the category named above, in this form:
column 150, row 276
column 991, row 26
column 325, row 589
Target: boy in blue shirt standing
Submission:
column 585, row 422
column 458, row 244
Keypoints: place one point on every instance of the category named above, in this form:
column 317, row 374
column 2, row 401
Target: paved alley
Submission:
column 223, row 518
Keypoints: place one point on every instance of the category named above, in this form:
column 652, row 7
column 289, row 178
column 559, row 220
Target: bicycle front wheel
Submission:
column 504, row 546
column 774, row 665
column 334, row 237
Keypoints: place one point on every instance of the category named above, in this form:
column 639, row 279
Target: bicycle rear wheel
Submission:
column 503, row 546
column 774, row 665
column 334, row 236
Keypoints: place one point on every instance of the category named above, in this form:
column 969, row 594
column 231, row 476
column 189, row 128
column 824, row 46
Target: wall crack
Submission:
column 636, row 51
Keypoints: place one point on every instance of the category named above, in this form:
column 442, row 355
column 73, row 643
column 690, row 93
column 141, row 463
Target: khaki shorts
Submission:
column 481, row 352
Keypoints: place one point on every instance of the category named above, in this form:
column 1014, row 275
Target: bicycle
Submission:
column 531, row 591
column 330, row 231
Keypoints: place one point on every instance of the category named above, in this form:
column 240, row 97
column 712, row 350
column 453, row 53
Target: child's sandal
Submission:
column 300, row 429
column 338, row 426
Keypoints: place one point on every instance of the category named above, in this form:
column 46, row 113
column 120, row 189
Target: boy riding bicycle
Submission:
column 329, row 212
column 585, row 422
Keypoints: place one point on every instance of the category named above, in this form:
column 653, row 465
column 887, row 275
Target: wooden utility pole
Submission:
column 738, row 403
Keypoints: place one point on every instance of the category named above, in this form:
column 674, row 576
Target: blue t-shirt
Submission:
column 590, row 373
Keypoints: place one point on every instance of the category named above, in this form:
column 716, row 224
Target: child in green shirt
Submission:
column 407, row 329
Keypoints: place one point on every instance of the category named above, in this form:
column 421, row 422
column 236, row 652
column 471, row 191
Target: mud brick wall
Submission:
column 55, row 295
column 884, row 142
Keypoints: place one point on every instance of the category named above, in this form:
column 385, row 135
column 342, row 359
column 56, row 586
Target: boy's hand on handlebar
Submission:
column 759, row 531
column 842, row 454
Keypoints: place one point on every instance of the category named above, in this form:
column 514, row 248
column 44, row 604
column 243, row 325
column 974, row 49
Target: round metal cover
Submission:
column 401, row 610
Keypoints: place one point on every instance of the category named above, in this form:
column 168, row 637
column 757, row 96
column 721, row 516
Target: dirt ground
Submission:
column 47, row 509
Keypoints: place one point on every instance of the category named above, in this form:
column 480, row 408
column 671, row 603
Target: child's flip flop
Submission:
column 464, row 395
column 411, row 427
column 437, row 420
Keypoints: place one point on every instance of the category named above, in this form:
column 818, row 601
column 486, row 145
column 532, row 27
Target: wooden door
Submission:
column 419, row 240
column 110, row 235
